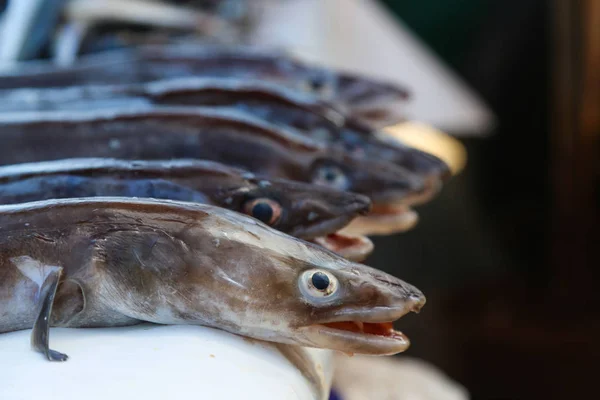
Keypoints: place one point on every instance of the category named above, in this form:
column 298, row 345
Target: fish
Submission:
column 306, row 114
column 375, row 101
column 155, row 62
column 107, row 262
column 311, row 116
column 302, row 210
column 225, row 136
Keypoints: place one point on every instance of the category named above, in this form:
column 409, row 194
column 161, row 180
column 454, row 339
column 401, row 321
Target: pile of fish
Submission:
column 192, row 183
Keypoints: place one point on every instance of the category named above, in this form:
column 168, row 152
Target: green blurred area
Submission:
column 447, row 26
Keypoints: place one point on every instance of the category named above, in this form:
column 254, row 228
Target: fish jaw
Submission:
column 422, row 162
column 391, row 217
column 325, row 227
column 352, row 247
column 397, row 219
column 369, row 333
column 383, row 181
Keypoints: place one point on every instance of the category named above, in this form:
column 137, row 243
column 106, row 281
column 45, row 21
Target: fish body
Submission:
column 305, row 113
column 225, row 136
column 376, row 102
column 115, row 262
column 301, row 210
column 150, row 63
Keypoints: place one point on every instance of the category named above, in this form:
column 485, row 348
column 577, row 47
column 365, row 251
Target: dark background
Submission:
column 507, row 255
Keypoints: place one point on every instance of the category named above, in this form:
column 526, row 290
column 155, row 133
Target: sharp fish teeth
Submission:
column 360, row 326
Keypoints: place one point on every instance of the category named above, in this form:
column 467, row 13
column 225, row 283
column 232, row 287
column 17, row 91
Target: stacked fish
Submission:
column 191, row 183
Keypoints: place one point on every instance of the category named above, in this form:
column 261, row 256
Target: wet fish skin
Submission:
column 124, row 261
column 224, row 136
column 151, row 63
column 376, row 102
column 379, row 103
column 305, row 211
column 313, row 117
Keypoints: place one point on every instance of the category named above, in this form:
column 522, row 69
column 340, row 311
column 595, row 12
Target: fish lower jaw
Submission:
column 384, row 220
column 352, row 247
column 354, row 337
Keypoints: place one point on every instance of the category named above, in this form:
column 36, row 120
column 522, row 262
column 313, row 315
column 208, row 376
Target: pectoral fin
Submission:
column 39, row 336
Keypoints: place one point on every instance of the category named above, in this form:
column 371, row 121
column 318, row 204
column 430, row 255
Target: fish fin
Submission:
column 41, row 328
column 300, row 359
column 68, row 303
column 33, row 269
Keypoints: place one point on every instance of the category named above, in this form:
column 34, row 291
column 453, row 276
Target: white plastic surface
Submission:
column 152, row 362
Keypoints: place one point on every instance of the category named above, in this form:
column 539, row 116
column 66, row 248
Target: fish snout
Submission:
column 428, row 165
column 360, row 204
column 334, row 203
column 401, row 295
column 397, row 184
column 417, row 301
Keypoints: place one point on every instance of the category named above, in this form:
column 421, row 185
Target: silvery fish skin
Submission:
column 298, row 209
column 115, row 262
column 316, row 118
column 378, row 102
column 309, row 115
column 150, row 63
column 224, row 136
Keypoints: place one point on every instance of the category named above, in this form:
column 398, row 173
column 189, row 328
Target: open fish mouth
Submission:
column 384, row 219
column 352, row 247
column 394, row 217
column 371, row 336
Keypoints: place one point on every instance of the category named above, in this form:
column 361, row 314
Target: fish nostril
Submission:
column 418, row 301
column 361, row 204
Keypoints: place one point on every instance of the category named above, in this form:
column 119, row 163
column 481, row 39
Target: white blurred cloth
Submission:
column 393, row 378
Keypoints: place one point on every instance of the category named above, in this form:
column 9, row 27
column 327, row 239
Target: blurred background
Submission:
column 508, row 254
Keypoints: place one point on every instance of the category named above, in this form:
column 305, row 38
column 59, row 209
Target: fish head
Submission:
column 422, row 163
column 310, row 212
column 381, row 181
column 362, row 140
column 318, row 82
column 352, row 309
column 264, row 284
column 391, row 188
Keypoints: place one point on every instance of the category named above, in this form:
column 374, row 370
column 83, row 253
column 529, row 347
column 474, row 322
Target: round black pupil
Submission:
column 316, row 84
column 320, row 281
column 262, row 211
column 330, row 175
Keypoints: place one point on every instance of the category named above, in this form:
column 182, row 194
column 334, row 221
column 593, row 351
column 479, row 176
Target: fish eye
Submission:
column 317, row 84
column 320, row 281
column 318, row 284
column 331, row 176
column 263, row 209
